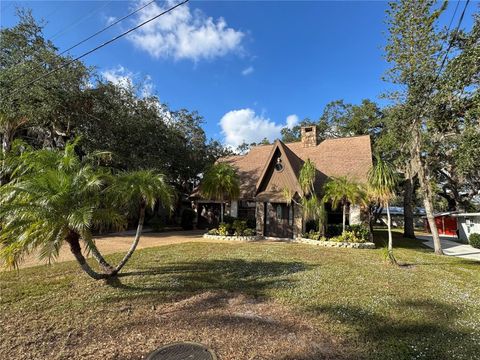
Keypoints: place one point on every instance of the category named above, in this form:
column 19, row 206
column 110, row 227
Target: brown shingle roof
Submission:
column 350, row 157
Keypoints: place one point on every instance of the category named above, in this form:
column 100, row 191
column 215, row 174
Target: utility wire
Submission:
column 93, row 35
column 450, row 44
column 453, row 16
column 107, row 27
column 61, row 32
column 100, row 46
column 437, row 76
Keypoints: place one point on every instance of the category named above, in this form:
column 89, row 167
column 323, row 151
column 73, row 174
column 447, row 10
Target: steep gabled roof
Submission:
column 292, row 165
column 271, row 183
column 350, row 157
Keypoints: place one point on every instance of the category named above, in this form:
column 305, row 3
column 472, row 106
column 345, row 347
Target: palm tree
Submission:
column 55, row 198
column 341, row 191
column 312, row 207
column 382, row 180
column 220, row 183
column 136, row 191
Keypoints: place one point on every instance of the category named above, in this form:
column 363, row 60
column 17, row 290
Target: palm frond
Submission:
column 382, row 180
column 220, row 182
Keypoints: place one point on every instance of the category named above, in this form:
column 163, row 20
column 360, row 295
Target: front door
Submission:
column 279, row 220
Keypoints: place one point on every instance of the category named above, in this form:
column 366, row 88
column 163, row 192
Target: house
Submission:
column 266, row 170
column 468, row 223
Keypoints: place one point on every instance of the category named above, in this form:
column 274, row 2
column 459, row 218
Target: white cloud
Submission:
column 184, row 34
column 147, row 87
column 119, row 76
column 123, row 77
column 292, row 120
column 247, row 71
column 244, row 125
column 110, row 20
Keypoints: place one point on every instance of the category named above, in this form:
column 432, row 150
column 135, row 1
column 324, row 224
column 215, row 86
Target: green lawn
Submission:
column 247, row 300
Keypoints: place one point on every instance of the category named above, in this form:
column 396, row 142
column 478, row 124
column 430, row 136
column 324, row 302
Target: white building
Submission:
column 468, row 223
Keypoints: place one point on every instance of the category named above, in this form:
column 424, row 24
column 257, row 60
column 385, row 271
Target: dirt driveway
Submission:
column 122, row 241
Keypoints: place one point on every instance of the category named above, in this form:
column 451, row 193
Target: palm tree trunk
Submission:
column 73, row 240
column 130, row 252
column 6, row 145
column 344, row 218
column 97, row 256
column 221, row 212
column 370, row 222
column 389, row 227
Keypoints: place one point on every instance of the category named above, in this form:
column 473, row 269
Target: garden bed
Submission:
column 326, row 243
column 232, row 237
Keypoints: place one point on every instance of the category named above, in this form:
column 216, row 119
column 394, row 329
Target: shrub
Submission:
column 239, row 226
column 188, row 215
column 224, row 229
column 361, row 231
column 314, row 235
column 213, row 232
column 348, row 236
column 227, row 219
column 334, row 230
column 249, row 232
column 474, row 240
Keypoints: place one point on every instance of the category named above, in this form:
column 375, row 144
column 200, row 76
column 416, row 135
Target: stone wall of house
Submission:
column 355, row 215
column 298, row 223
column 234, row 208
column 259, row 216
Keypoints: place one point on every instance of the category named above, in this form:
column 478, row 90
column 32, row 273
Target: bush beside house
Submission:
column 235, row 227
column 474, row 240
column 352, row 233
column 354, row 236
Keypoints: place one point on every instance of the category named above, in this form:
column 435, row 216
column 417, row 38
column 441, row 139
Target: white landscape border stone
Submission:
column 326, row 243
column 232, row 237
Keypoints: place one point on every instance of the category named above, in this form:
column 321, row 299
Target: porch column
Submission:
column 259, row 217
column 355, row 215
column 234, row 208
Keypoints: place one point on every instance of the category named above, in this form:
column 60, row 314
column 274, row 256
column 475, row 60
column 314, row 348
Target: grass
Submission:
column 248, row 300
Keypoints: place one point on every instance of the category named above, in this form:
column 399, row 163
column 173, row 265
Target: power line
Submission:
column 450, row 44
column 453, row 16
column 107, row 27
column 61, row 32
column 100, row 46
column 93, row 35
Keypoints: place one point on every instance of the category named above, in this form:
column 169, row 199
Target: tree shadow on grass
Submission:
column 186, row 278
column 421, row 329
column 380, row 239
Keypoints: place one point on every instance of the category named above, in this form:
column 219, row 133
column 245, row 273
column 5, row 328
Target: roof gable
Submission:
column 273, row 180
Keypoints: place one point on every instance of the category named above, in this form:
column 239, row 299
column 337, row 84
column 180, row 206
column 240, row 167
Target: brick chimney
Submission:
column 309, row 136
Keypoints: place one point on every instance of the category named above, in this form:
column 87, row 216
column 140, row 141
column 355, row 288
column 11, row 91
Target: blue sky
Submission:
column 248, row 68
